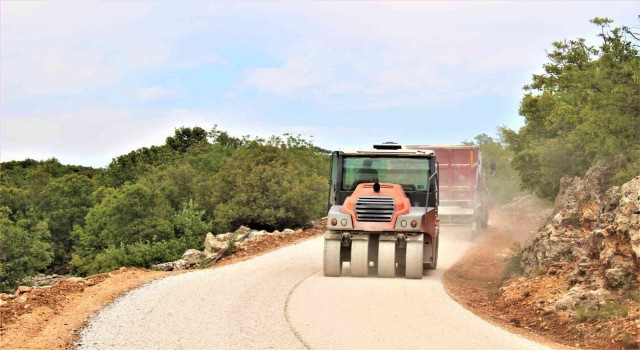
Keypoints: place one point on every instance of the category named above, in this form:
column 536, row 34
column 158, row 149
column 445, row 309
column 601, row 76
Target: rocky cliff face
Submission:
column 592, row 240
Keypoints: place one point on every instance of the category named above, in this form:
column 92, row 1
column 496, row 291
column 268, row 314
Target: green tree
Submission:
column 584, row 107
column 264, row 186
column 185, row 138
column 63, row 203
column 134, row 213
column 23, row 249
column 131, row 166
column 190, row 225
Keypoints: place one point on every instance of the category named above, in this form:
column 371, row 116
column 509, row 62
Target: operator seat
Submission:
column 365, row 174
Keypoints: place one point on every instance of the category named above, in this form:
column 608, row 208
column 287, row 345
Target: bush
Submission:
column 609, row 309
column 513, row 266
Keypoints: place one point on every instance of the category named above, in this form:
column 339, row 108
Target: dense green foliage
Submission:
column 583, row 108
column 152, row 204
column 24, row 248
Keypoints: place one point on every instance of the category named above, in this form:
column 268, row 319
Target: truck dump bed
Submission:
column 461, row 182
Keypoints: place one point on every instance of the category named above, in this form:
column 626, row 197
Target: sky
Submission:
column 85, row 82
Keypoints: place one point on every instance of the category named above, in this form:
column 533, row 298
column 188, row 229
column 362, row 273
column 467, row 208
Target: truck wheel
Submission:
column 387, row 258
column 332, row 260
column 415, row 254
column 360, row 255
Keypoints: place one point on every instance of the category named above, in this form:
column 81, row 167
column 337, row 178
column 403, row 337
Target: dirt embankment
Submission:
column 50, row 318
column 571, row 301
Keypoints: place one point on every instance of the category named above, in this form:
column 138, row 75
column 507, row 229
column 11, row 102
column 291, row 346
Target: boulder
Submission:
column 223, row 237
column 193, row 256
column 168, row 266
column 241, row 237
column 617, row 277
column 256, row 234
column 578, row 296
column 181, row 264
column 213, row 246
column 242, row 230
column 22, row 289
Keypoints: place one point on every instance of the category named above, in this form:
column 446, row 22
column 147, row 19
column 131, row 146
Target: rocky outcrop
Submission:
column 594, row 236
column 216, row 247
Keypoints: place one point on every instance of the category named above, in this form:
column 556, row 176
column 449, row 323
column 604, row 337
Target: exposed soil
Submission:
column 481, row 283
column 50, row 318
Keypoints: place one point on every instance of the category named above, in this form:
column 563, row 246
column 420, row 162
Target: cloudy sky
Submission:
column 85, row 82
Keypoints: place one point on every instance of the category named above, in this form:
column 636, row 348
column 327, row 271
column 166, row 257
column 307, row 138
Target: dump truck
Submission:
column 382, row 212
column 463, row 192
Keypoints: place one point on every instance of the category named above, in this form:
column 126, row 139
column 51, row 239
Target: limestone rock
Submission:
column 212, row 245
column 578, row 296
column 193, row 256
column 256, row 234
column 22, row 289
column 242, row 230
column 223, row 237
column 168, row 266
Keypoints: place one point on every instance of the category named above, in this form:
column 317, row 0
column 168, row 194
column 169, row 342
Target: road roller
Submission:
column 382, row 212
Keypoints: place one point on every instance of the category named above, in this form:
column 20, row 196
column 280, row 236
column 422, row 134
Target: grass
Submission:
column 609, row 309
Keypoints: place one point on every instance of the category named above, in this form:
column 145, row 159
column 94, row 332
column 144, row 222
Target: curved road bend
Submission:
column 280, row 300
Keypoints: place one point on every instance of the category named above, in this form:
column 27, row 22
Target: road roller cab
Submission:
column 383, row 207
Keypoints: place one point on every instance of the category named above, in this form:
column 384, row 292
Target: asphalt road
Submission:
column 281, row 300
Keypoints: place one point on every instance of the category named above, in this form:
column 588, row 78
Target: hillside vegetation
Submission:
column 152, row 204
column 583, row 108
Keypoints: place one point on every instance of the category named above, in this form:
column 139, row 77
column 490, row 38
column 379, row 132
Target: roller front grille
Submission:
column 375, row 208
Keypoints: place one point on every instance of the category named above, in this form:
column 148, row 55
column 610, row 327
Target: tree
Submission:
column 63, row 203
column 265, row 187
column 132, row 214
column 584, row 107
column 185, row 138
column 23, row 249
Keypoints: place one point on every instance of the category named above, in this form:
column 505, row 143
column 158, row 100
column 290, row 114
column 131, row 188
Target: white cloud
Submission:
column 417, row 54
column 70, row 48
column 154, row 93
column 298, row 73
column 92, row 136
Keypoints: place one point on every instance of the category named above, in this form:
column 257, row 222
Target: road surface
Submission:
column 281, row 300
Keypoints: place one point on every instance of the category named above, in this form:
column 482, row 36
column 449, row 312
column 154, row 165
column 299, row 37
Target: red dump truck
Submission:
column 462, row 192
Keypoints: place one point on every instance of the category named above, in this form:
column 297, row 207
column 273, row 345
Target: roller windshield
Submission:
column 411, row 173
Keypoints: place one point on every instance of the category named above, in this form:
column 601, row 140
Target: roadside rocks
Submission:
column 22, row 289
column 593, row 239
column 216, row 247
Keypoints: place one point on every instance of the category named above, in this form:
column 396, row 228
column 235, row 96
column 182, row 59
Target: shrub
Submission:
column 609, row 309
column 513, row 266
